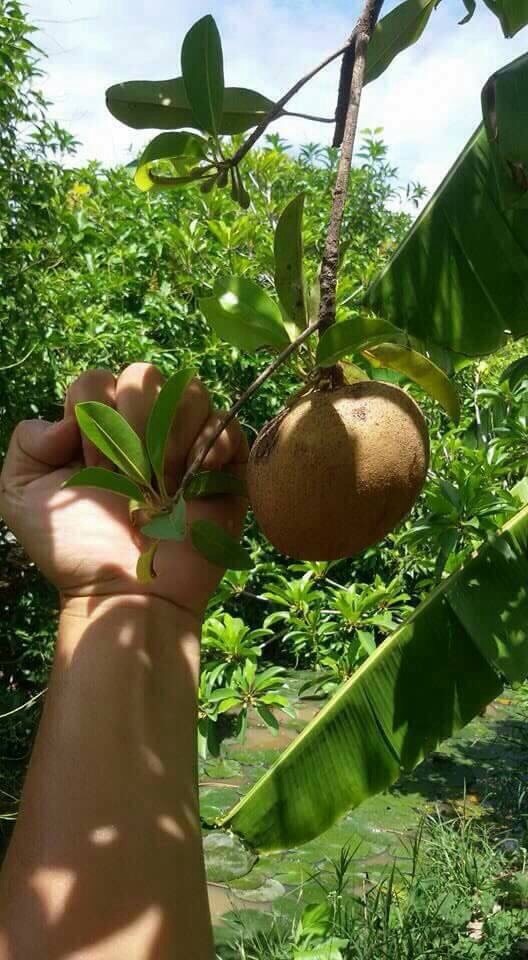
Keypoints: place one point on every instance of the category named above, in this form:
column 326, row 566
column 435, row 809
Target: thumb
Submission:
column 37, row 447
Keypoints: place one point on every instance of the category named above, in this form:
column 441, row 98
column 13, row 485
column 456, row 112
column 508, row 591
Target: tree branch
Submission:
column 308, row 116
column 251, row 390
column 345, row 79
column 329, row 267
column 358, row 42
column 277, row 107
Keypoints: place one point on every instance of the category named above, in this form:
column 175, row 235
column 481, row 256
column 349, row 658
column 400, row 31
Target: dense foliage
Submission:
column 95, row 274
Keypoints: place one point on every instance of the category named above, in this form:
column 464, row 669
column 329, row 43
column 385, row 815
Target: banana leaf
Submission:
column 513, row 14
column 505, row 111
column 425, row 682
column 459, row 279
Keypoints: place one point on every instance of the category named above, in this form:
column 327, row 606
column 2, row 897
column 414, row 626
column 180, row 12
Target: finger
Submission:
column 37, row 447
column 190, row 419
column 96, row 385
column 229, row 449
column 136, row 391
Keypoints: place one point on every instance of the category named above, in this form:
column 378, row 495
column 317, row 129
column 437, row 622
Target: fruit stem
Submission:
column 244, row 397
column 330, row 264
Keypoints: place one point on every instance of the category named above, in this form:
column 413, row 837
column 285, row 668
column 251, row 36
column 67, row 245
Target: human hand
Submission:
column 82, row 539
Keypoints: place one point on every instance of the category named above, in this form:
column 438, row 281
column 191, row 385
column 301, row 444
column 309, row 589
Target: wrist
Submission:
column 91, row 607
column 109, row 637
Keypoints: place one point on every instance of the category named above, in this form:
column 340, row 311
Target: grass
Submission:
column 462, row 895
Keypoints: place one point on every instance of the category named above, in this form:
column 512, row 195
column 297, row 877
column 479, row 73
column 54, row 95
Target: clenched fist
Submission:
column 82, row 539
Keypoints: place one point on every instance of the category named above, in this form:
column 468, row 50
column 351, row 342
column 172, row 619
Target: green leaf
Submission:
column 144, row 104
column 447, row 542
column 289, row 269
column 515, row 373
column 267, row 716
column 106, row 480
column 145, row 572
column 164, row 105
column 471, row 6
column 168, row 526
column 203, row 73
column 367, row 641
column 114, row 437
column 402, row 27
column 179, row 183
column 243, row 313
column 443, row 285
column 350, row 336
column 238, row 191
column 513, row 14
column 213, row 483
column 223, row 694
column 520, row 491
column 243, row 109
column 161, row 418
column 185, row 150
column 329, row 950
column 419, row 369
column 219, row 547
column 353, row 373
column 228, row 703
column 425, row 682
column 316, row 919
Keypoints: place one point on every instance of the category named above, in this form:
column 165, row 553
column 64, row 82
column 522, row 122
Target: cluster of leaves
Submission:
column 240, row 310
column 308, row 621
column 477, row 472
column 199, row 100
column 127, row 275
column 141, row 479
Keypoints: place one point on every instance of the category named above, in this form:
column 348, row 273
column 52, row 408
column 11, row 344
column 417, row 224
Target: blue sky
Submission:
column 428, row 102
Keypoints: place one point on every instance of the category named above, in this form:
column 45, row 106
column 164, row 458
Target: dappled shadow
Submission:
column 490, row 753
column 442, row 682
column 447, row 658
column 87, row 859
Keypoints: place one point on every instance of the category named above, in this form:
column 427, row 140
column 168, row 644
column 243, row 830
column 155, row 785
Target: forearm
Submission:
column 106, row 859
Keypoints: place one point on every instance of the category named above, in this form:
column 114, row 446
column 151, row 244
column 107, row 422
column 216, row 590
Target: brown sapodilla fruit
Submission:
column 338, row 470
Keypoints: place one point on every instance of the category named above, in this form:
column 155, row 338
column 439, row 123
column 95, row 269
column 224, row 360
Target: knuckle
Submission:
column 195, row 405
column 88, row 379
column 197, row 394
column 21, row 430
column 139, row 370
column 97, row 374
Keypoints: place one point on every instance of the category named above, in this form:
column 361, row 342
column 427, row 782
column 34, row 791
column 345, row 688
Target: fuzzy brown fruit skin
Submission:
column 338, row 471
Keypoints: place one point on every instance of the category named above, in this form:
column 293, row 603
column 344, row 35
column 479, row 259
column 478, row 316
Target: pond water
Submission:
column 461, row 774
